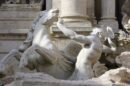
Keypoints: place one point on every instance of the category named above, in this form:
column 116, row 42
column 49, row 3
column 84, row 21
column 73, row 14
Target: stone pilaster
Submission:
column 108, row 14
column 56, row 4
column 73, row 10
column 91, row 9
column 48, row 4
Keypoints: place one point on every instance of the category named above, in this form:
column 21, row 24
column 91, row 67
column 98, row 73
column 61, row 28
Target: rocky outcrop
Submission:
column 124, row 59
column 116, row 77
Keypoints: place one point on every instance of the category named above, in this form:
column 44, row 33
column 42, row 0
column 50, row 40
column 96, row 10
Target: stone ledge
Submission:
column 18, row 14
column 14, row 31
column 16, row 19
column 20, row 7
column 14, row 37
column 8, row 45
column 63, row 83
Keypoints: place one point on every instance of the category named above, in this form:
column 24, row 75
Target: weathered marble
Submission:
column 9, row 63
column 91, row 51
column 99, row 69
column 123, row 59
column 43, row 55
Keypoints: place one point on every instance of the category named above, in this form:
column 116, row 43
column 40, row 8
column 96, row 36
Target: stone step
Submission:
column 18, row 14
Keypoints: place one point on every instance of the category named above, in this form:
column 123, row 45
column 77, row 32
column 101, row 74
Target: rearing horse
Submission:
column 43, row 55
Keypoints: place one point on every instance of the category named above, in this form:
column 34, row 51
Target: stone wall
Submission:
column 15, row 20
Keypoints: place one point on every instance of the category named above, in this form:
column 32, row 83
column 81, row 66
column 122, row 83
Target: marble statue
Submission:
column 38, row 52
column 9, row 63
column 92, row 50
column 43, row 55
column 99, row 69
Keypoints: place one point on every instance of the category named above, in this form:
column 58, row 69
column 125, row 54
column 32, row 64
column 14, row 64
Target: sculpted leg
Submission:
column 48, row 57
column 9, row 63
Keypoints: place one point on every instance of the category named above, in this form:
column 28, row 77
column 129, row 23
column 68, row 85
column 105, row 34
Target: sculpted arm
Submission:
column 110, row 49
column 72, row 34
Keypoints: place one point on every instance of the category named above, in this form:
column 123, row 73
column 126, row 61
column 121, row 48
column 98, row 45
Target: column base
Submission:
column 110, row 22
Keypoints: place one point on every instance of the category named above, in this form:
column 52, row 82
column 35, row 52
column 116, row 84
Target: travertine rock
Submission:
column 120, row 75
column 99, row 69
column 40, row 79
column 124, row 59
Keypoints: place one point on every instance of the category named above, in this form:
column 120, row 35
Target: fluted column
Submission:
column 73, row 10
column 90, row 8
column 56, row 4
column 108, row 14
column 48, row 4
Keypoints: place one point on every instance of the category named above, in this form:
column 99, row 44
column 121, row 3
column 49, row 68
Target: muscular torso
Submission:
column 88, row 56
column 91, row 51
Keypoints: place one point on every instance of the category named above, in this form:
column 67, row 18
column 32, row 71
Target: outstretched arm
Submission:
column 110, row 49
column 71, row 34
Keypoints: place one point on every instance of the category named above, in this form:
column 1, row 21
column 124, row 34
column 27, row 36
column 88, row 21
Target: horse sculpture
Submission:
column 43, row 55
